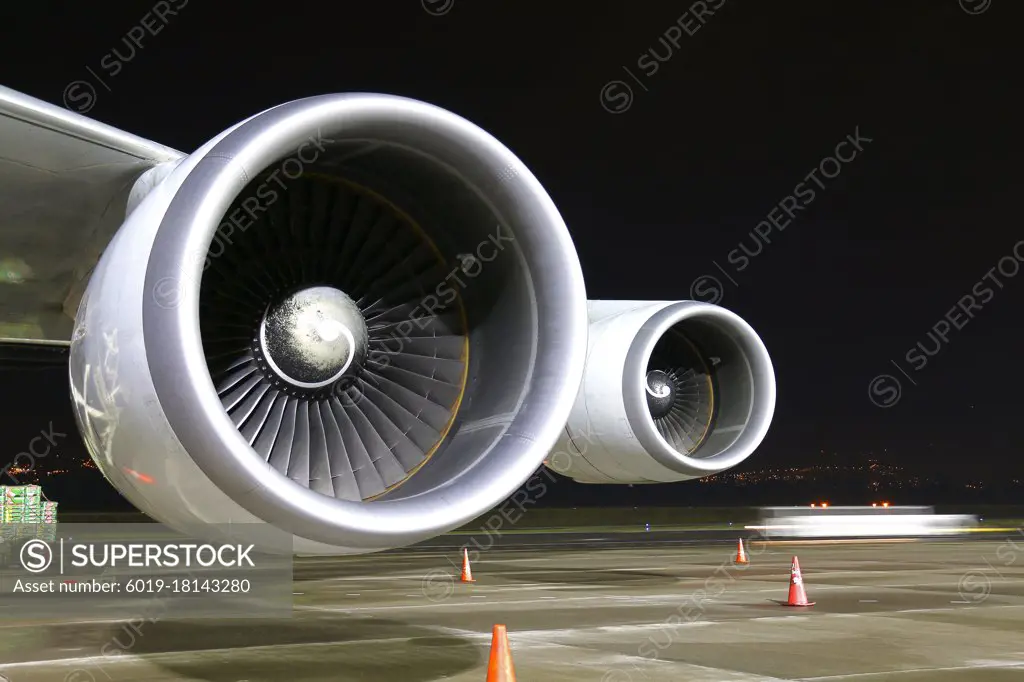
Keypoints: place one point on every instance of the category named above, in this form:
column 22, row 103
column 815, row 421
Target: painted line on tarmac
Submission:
column 994, row 665
column 620, row 555
column 880, row 614
column 579, row 544
column 638, row 600
column 370, row 578
column 642, row 568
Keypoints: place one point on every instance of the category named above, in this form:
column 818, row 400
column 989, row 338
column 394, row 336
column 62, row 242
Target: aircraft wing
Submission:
column 64, row 185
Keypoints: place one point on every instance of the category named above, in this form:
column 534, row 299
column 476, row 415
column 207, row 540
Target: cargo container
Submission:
column 25, row 514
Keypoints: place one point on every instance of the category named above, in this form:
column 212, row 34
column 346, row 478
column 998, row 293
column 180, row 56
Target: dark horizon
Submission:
column 801, row 478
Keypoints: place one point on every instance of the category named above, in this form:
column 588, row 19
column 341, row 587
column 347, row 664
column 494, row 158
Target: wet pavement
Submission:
column 604, row 609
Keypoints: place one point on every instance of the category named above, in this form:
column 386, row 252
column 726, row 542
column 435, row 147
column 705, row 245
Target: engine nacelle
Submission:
column 356, row 318
column 672, row 391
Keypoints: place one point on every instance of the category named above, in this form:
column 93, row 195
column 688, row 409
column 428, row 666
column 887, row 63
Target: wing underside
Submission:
column 64, row 185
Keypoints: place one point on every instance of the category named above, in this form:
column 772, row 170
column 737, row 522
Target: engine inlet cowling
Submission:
column 683, row 390
column 357, row 318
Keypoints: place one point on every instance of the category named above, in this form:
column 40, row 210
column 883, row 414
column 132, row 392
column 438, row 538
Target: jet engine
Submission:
column 356, row 318
column 672, row 391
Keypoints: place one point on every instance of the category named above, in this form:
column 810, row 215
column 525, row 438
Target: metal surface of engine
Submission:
column 672, row 391
column 358, row 318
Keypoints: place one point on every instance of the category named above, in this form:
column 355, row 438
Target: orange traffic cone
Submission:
column 797, row 595
column 741, row 555
column 499, row 668
column 467, row 574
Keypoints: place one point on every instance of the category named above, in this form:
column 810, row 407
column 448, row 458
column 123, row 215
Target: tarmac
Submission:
column 590, row 607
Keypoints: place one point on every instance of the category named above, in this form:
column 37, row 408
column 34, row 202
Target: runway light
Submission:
column 874, row 504
column 885, row 504
column 824, row 505
column 813, row 505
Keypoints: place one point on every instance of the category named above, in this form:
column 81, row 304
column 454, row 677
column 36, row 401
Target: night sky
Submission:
column 663, row 176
